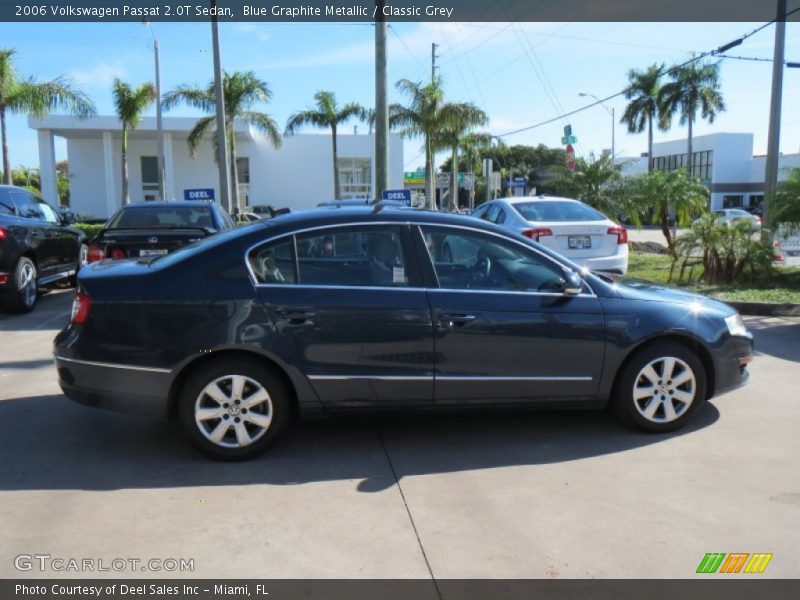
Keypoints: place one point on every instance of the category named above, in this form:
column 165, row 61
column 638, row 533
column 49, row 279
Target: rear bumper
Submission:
column 120, row 388
column 616, row 263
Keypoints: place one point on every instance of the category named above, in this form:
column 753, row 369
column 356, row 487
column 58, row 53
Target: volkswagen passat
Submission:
column 353, row 309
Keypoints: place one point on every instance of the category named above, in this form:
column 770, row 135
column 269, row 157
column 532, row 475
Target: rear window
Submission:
column 553, row 210
column 145, row 217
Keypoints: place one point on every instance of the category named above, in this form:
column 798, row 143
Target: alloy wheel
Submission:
column 27, row 284
column 664, row 389
column 233, row 411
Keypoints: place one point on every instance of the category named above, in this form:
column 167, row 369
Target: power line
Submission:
column 716, row 52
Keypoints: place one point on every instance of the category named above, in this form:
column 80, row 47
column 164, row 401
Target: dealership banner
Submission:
column 403, row 589
column 288, row 11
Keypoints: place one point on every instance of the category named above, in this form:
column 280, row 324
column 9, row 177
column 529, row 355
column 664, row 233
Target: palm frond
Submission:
column 264, row 124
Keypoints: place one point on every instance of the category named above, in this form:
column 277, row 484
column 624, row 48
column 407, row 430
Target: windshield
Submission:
column 155, row 217
column 553, row 210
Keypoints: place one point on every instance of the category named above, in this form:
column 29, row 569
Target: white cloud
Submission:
column 256, row 30
column 100, row 75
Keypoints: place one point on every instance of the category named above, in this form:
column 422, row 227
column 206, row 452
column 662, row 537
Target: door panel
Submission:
column 515, row 346
column 357, row 346
column 352, row 313
column 503, row 331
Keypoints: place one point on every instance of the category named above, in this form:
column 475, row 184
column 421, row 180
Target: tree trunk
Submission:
column 664, row 222
column 650, row 144
column 6, row 157
column 234, row 172
column 430, row 192
column 454, row 180
column 125, row 196
column 689, row 157
column 337, row 191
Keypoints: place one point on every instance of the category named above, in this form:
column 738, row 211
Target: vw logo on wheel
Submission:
column 152, row 239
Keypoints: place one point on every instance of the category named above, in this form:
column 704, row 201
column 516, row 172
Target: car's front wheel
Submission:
column 22, row 298
column 661, row 387
column 233, row 409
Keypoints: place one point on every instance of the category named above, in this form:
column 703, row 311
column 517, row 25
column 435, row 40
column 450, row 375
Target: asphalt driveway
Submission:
column 523, row 495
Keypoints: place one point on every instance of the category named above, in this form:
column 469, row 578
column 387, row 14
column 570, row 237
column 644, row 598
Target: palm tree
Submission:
column 643, row 92
column 326, row 113
column 472, row 146
column 369, row 117
column 426, row 116
column 30, row 97
column 130, row 103
column 465, row 116
column 693, row 86
column 241, row 91
column 591, row 182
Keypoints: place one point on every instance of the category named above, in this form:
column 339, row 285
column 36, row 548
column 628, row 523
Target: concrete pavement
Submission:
column 533, row 495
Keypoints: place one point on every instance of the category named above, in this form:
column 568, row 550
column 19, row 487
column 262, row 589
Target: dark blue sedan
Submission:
column 358, row 308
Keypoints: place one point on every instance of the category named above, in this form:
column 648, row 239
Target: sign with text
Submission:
column 199, row 194
column 401, row 195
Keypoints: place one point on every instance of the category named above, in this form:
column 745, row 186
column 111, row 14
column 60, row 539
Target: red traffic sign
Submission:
column 570, row 157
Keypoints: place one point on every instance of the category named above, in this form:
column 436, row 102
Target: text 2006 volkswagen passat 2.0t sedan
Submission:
column 352, row 309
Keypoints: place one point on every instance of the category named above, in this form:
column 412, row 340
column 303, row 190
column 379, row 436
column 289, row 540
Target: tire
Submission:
column 672, row 401
column 83, row 258
column 26, row 291
column 223, row 437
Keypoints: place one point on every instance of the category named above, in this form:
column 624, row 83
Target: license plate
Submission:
column 152, row 252
column 579, row 242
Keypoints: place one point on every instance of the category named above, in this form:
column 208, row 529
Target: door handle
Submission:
column 297, row 316
column 450, row 321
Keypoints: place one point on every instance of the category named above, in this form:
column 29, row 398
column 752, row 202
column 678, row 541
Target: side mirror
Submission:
column 573, row 284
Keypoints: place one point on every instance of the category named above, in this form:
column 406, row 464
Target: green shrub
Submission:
column 727, row 250
column 89, row 229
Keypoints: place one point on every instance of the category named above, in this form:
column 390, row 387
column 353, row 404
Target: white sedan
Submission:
column 734, row 215
column 570, row 227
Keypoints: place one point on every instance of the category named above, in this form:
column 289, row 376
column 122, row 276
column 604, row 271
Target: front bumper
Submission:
column 120, row 388
column 730, row 365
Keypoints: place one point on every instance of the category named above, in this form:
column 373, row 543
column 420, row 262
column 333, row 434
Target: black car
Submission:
column 353, row 309
column 37, row 248
column 156, row 228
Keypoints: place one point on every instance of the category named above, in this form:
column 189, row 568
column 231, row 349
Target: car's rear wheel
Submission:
column 233, row 409
column 25, row 292
column 661, row 387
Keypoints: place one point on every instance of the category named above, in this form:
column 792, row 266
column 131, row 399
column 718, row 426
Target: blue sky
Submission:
column 520, row 74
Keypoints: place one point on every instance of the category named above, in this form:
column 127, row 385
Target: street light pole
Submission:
column 162, row 173
column 612, row 112
column 773, row 139
column 222, row 140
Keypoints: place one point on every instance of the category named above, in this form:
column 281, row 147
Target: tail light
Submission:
column 118, row 254
column 3, row 278
column 620, row 232
column 3, row 234
column 537, row 232
column 95, row 253
column 80, row 308
column 758, row 219
column 777, row 252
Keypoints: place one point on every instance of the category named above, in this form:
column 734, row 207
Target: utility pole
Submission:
column 433, row 61
column 773, row 141
column 381, row 106
column 162, row 173
column 222, row 140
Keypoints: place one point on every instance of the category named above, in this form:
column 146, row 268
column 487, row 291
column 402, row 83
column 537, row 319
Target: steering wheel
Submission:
column 481, row 270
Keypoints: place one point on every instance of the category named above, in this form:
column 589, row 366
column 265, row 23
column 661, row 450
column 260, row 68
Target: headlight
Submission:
column 736, row 325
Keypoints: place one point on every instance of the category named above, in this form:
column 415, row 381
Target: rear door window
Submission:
column 357, row 256
column 27, row 206
column 6, row 203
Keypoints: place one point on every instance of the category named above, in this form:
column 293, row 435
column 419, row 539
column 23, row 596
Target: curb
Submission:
column 765, row 309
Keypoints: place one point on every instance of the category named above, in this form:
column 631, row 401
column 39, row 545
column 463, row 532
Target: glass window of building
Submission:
column 149, row 177
column 355, row 177
column 243, row 175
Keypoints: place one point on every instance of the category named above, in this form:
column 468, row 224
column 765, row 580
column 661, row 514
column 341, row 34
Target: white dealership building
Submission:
column 299, row 174
column 723, row 161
